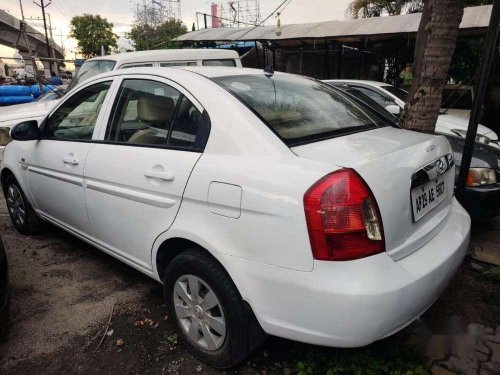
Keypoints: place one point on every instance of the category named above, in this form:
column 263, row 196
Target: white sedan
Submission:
column 450, row 121
column 264, row 203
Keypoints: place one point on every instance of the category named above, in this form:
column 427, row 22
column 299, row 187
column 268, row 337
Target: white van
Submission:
column 14, row 114
column 155, row 58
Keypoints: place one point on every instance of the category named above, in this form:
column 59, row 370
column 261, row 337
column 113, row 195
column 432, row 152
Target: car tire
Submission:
column 28, row 223
column 231, row 344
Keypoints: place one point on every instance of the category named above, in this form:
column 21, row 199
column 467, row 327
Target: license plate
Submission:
column 427, row 196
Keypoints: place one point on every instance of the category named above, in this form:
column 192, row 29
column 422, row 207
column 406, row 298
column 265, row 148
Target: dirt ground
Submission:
column 63, row 291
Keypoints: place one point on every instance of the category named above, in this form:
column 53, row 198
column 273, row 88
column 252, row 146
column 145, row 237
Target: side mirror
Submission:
column 393, row 109
column 25, row 131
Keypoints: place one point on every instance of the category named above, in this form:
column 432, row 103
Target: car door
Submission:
column 55, row 163
column 135, row 177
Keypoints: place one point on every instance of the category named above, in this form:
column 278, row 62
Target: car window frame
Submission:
column 100, row 118
column 101, row 137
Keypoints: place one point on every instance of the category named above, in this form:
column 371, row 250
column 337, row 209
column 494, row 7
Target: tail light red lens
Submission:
column 343, row 218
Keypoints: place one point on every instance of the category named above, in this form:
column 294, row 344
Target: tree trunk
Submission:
column 435, row 45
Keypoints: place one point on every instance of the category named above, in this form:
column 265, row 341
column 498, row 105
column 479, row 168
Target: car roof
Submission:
column 222, row 71
column 170, row 54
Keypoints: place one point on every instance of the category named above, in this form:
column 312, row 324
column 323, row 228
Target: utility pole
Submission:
column 22, row 32
column 54, row 63
column 43, row 6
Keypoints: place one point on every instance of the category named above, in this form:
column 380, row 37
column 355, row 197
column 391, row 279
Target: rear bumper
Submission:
column 351, row 304
column 482, row 202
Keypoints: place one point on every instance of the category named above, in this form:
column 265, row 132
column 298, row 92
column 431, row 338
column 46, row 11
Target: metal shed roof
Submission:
column 474, row 18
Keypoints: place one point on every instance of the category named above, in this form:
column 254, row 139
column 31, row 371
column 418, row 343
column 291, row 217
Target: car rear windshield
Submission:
column 300, row 110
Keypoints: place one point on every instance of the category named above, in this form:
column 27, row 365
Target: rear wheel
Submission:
column 208, row 309
column 23, row 216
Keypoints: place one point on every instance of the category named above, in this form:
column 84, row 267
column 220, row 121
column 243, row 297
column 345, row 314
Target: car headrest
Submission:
column 154, row 108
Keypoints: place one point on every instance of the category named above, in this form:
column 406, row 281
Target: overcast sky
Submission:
column 120, row 13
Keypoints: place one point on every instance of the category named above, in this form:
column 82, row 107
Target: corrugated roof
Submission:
column 474, row 17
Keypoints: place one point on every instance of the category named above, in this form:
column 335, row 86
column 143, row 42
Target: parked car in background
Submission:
column 457, row 100
column 393, row 99
column 290, row 191
column 11, row 115
column 4, row 293
column 482, row 193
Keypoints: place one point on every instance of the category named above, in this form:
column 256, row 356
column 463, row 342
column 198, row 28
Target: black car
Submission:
column 482, row 193
column 4, row 292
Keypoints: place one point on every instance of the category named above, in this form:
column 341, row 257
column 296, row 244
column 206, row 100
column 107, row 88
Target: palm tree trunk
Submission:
column 435, row 45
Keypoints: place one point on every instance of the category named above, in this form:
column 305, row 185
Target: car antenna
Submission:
column 269, row 71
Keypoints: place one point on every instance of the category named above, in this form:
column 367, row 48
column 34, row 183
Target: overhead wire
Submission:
column 284, row 3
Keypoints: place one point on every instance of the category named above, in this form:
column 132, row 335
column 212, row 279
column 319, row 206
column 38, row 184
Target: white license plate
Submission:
column 427, row 196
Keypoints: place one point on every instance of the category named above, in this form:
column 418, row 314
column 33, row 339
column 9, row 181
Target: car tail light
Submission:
column 343, row 218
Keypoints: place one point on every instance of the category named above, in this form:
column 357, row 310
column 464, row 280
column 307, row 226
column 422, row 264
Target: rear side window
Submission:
column 151, row 113
column 298, row 109
column 146, row 65
column 178, row 63
column 224, row 62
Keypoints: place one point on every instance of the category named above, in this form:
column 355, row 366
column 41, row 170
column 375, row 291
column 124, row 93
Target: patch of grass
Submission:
column 386, row 357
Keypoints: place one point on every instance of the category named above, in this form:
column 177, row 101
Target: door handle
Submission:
column 71, row 160
column 159, row 175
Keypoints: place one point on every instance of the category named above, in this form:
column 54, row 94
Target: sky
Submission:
column 120, row 13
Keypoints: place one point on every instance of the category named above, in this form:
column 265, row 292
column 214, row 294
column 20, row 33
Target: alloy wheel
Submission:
column 199, row 312
column 15, row 204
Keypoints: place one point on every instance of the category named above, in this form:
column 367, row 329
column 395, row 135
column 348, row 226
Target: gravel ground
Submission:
column 63, row 291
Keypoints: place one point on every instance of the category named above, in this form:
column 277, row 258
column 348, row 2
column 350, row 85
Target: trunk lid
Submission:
column 387, row 159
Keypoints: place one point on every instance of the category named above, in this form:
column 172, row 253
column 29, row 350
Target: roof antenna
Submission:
column 269, row 71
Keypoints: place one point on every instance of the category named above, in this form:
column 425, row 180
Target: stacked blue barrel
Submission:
column 17, row 94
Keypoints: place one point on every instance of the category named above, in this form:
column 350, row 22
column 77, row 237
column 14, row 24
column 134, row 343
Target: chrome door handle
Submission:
column 71, row 160
column 159, row 175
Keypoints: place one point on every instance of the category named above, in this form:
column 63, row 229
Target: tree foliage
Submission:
column 146, row 36
column 92, row 31
column 377, row 8
column 152, row 29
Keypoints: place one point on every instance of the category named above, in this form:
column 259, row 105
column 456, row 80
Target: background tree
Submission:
column 377, row 8
column 92, row 31
column 146, row 36
column 436, row 40
column 152, row 29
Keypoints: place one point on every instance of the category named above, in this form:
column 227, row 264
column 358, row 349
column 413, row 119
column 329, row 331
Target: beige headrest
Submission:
column 154, row 108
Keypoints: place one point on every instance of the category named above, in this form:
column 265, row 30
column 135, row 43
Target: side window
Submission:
column 379, row 98
column 137, row 66
column 76, row 118
column 178, row 63
column 143, row 113
column 225, row 62
column 155, row 114
column 187, row 127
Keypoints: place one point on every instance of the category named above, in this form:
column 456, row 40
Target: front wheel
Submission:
column 23, row 216
column 208, row 309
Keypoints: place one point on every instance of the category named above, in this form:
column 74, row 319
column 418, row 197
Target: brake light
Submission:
column 343, row 218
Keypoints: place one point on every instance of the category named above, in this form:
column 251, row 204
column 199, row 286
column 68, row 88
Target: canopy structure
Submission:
column 475, row 22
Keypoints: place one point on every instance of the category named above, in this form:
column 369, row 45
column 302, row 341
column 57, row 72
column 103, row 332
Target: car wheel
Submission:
column 23, row 216
column 207, row 308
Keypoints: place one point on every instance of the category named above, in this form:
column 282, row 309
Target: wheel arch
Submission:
column 169, row 248
column 6, row 172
